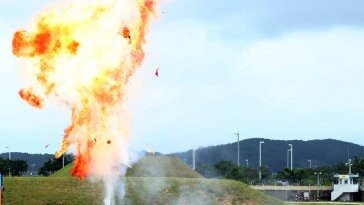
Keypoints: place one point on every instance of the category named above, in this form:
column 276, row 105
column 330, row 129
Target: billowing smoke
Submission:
column 81, row 54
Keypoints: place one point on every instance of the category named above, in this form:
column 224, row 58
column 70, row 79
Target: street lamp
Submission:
column 291, row 155
column 247, row 163
column 318, row 184
column 309, row 161
column 237, row 134
column 288, row 157
column 260, row 159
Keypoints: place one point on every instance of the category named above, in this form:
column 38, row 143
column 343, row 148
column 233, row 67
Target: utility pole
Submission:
column 291, row 156
column 247, row 163
column 237, row 134
column 260, row 159
column 349, row 164
column 318, row 184
column 193, row 159
column 309, row 161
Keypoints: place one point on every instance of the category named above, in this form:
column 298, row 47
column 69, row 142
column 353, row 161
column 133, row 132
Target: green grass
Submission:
column 152, row 180
column 139, row 190
column 150, row 166
column 45, row 190
column 64, row 172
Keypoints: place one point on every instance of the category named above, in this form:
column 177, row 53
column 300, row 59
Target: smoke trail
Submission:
column 82, row 54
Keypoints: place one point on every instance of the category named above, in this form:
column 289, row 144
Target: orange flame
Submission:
column 74, row 54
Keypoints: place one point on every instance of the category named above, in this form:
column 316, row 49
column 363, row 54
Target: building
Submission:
column 345, row 186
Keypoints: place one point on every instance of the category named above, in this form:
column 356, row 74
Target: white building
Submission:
column 345, row 187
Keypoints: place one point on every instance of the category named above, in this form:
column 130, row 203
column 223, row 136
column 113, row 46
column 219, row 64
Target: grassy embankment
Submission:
column 181, row 186
column 139, row 190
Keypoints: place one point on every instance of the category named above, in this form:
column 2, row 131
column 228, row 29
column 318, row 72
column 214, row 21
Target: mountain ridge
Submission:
column 321, row 152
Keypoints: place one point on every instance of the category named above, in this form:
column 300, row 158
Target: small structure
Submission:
column 346, row 185
column 306, row 196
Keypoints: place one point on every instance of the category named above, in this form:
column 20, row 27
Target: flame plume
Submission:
column 82, row 53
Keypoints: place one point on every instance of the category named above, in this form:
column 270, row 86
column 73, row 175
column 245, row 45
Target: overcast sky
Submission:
column 268, row 68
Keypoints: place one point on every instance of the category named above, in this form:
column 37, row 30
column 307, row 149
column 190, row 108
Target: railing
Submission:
column 292, row 188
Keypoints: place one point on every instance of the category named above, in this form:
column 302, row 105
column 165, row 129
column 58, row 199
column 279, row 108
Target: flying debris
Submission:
column 126, row 33
column 157, row 72
column 109, row 142
column 46, row 146
column 32, row 99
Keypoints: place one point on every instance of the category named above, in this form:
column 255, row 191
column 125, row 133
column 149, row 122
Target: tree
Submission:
column 293, row 176
column 358, row 166
column 229, row 170
column 223, row 167
column 53, row 165
column 266, row 172
column 206, row 170
column 16, row 167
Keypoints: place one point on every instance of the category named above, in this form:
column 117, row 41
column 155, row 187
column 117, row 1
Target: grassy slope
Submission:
column 64, row 172
column 45, row 190
column 139, row 190
column 150, row 166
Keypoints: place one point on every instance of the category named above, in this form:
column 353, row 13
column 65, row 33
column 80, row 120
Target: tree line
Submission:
column 297, row 176
column 15, row 167
column 18, row 167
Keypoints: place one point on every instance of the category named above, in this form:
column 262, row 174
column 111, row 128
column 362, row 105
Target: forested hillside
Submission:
column 274, row 153
column 34, row 161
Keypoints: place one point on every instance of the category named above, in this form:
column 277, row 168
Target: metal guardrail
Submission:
column 292, row 188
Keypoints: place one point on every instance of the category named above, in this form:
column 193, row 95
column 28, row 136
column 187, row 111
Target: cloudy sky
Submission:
column 268, row 68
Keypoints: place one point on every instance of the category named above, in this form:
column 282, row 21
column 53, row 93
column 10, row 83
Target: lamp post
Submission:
column 247, row 163
column 318, row 184
column 291, row 155
column 237, row 134
column 260, row 159
column 288, row 157
column 309, row 161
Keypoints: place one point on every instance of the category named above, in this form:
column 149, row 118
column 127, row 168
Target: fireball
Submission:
column 82, row 54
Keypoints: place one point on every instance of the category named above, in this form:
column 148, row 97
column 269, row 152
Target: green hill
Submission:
column 150, row 166
column 161, row 166
column 138, row 190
